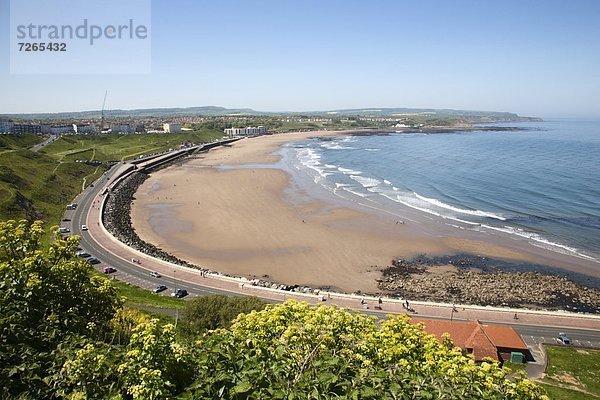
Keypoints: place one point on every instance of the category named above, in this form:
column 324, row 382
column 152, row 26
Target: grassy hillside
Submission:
column 572, row 373
column 39, row 185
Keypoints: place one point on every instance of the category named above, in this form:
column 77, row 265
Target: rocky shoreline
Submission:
column 469, row 279
column 117, row 219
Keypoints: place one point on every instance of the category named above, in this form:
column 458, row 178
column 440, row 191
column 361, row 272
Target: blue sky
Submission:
column 539, row 58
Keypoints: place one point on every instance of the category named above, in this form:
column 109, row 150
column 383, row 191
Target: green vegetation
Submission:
column 215, row 311
column 39, row 185
column 49, row 298
column 135, row 296
column 109, row 147
column 572, row 373
column 558, row 393
column 516, row 367
column 16, row 142
column 295, row 350
column 64, row 334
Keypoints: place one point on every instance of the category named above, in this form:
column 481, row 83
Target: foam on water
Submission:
column 539, row 240
column 441, row 204
column 348, row 171
column 340, row 169
column 365, row 181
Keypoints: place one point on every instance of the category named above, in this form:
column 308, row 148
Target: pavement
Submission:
column 535, row 326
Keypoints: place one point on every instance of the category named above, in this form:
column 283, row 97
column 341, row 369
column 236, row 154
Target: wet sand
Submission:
column 250, row 222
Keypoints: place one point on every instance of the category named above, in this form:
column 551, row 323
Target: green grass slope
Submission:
column 39, row 185
column 572, row 373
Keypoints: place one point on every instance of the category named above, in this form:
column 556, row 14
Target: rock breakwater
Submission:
column 467, row 279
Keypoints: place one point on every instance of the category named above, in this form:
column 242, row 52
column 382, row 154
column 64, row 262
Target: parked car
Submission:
column 66, row 220
column 83, row 254
column 159, row 288
column 84, row 227
column 93, row 260
column 155, row 274
column 180, row 293
column 63, row 230
column 109, row 270
column 563, row 339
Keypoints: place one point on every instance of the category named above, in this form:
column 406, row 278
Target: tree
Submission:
column 151, row 366
column 295, row 350
column 46, row 296
column 214, row 311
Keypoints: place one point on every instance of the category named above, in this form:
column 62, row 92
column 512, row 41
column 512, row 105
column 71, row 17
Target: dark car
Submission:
column 180, row 293
column 109, row 270
column 159, row 288
column 93, row 260
column 66, row 220
column 83, row 254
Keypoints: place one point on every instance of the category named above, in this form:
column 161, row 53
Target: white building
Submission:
column 57, row 129
column 249, row 131
column 172, row 128
column 85, row 129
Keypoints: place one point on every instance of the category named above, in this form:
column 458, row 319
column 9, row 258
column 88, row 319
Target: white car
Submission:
column 155, row 274
column 63, row 230
column 84, row 227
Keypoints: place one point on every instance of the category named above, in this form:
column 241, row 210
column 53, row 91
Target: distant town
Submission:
column 244, row 122
column 230, row 125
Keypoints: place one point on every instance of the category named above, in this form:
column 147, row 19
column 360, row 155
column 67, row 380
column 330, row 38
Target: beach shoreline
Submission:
column 236, row 211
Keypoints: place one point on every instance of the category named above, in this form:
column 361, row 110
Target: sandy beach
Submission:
column 254, row 222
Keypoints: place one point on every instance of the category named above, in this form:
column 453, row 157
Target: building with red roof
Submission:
column 482, row 341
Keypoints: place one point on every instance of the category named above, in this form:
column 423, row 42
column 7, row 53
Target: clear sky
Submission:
column 537, row 58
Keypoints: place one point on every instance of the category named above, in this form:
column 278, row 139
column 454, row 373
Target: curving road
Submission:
column 534, row 328
column 126, row 270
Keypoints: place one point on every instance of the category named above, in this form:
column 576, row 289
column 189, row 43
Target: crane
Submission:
column 102, row 112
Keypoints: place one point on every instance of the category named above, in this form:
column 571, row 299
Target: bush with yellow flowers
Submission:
column 298, row 351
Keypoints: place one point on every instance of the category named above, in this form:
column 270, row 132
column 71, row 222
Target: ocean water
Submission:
column 541, row 184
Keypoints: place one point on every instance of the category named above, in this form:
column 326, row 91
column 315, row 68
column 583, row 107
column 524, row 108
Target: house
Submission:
column 483, row 341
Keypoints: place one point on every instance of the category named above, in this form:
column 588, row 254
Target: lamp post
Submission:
column 452, row 313
column 175, row 291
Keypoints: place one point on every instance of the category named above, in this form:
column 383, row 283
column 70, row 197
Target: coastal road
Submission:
column 139, row 275
column 127, row 271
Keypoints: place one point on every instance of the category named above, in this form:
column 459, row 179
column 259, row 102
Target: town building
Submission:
column 121, row 128
column 172, row 128
column 84, row 129
column 500, row 343
column 249, row 131
column 56, row 129
column 20, row 129
column 5, row 126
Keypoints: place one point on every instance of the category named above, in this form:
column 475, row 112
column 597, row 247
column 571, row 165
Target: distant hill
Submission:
column 469, row 115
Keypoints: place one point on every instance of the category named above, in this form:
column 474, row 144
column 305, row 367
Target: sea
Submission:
column 540, row 184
